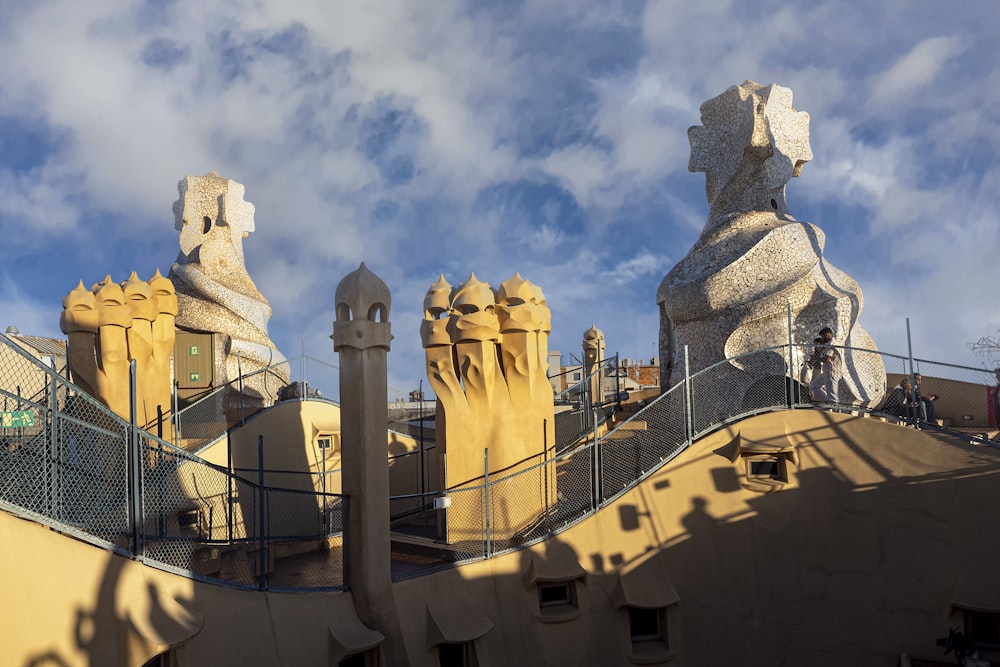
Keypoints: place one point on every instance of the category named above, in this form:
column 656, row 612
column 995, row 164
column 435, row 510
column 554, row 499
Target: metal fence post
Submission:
column 790, row 386
column 688, row 399
column 345, row 538
column 231, row 501
column 486, row 486
column 545, row 461
column 913, row 387
column 134, row 462
column 618, row 383
column 326, row 512
column 55, row 459
column 423, row 453
column 239, row 373
column 161, row 515
column 261, row 520
column 597, row 466
column 177, row 418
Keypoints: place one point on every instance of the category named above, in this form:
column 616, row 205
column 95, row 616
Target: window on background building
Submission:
column 328, row 441
column 768, row 470
column 576, row 376
column 767, row 467
column 457, row 654
column 161, row 660
column 559, row 594
column 647, row 630
column 982, row 628
column 366, row 659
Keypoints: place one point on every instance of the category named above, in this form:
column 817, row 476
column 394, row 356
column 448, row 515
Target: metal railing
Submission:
column 210, row 416
column 412, row 473
column 68, row 462
column 589, row 476
column 578, row 410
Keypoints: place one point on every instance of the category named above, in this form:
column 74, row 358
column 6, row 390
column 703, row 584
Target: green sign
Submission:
column 17, row 419
column 193, row 350
column 195, row 376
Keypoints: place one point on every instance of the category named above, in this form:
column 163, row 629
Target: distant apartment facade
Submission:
column 630, row 375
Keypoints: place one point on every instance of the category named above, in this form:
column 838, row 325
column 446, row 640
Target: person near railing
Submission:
column 996, row 398
column 923, row 403
column 826, row 364
column 899, row 403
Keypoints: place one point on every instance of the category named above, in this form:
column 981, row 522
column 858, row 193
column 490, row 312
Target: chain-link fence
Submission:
column 68, row 462
column 453, row 529
column 304, row 548
column 410, row 417
column 208, row 418
column 518, row 508
column 576, row 407
column 956, row 399
column 643, row 443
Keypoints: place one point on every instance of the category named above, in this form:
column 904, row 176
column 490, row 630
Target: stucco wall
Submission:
column 858, row 558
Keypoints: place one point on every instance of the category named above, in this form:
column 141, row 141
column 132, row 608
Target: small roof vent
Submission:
column 12, row 330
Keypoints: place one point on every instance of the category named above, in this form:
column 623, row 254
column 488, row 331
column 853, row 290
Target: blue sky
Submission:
column 548, row 138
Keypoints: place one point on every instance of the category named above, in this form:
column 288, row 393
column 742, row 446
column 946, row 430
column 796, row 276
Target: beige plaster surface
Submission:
column 290, row 430
column 109, row 610
column 881, row 532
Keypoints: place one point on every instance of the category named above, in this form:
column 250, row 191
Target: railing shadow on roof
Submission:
column 81, row 469
column 596, row 471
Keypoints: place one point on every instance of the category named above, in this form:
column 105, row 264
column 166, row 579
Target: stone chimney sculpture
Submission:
column 109, row 326
column 361, row 336
column 593, row 357
column 487, row 355
column 732, row 291
column 214, row 291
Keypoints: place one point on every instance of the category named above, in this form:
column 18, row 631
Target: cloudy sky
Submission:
column 545, row 137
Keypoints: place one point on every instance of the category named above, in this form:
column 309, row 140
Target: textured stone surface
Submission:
column 214, row 291
column 487, row 355
column 730, row 294
column 112, row 324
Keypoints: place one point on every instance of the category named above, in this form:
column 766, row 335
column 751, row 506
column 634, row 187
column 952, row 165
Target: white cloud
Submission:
column 33, row 204
column 919, row 68
column 645, row 265
column 29, row 316
column 290, row 125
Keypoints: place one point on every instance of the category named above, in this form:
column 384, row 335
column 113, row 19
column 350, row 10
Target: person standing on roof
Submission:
column 996, row 398
column 826, row 363
column 923, row 403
